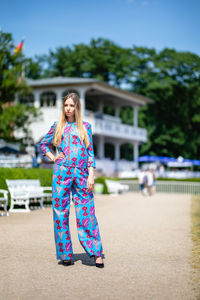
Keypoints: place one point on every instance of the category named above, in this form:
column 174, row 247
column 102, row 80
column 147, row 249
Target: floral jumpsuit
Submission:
column 70, row 176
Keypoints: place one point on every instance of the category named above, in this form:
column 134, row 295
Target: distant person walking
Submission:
column 153, row 189
column 73, row 172
column 149, row 182
column 142, row 180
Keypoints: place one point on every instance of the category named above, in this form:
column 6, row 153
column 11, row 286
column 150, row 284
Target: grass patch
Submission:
column 195, row 231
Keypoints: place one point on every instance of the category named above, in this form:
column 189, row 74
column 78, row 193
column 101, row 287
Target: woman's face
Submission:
column 69, row 108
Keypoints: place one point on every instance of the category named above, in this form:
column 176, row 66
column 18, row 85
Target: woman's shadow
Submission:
column 85, row 259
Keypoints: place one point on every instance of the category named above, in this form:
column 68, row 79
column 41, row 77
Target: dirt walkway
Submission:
column 147, row 247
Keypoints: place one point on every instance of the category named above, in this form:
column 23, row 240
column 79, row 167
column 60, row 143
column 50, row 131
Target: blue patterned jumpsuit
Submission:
column 70, row 176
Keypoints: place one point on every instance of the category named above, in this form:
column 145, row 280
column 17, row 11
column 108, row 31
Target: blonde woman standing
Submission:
column 73, row 172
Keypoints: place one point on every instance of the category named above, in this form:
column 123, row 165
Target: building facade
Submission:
column 101, row 104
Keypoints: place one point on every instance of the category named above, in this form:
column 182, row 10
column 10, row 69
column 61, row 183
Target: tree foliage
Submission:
column 12, row 117
column 171, row 78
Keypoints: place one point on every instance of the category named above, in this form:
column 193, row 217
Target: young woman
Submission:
column 73, row 172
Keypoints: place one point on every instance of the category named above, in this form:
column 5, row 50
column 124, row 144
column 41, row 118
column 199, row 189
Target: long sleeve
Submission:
column 91, row 158
column 45, row 142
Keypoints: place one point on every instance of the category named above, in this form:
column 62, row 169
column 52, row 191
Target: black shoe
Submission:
column 67, row 262
column 98, row 265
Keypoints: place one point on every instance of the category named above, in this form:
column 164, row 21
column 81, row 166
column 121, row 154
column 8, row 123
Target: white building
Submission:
column 109, row 133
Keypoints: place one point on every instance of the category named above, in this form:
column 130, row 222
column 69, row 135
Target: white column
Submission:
column 117, row 109
column 82, row 92
column 101, row 153
column 135, row 153
column 117, row 151
column 59, row 101
column 36, row 98
column 135, row 113
column 117, row 155
column 100, row 106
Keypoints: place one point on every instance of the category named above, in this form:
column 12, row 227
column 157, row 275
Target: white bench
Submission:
column 22, row 191
column 115, row 187
column 4, row 201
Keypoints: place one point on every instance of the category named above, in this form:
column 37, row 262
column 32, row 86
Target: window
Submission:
column 27, row 99
column 126, row 151
column 48, row 99
column 109, row 151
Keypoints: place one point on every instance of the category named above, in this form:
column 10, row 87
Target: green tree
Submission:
column 172, row 79
column 169, row 77
column 12, row 117
column 101, row 59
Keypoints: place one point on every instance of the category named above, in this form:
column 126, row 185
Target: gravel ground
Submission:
column 147, row 250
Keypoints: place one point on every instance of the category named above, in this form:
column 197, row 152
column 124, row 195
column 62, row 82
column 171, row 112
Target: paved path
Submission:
column 147, row 247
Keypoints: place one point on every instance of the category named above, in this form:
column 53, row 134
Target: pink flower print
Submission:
column 59, row 177
column 66, row 215
column 68, row 246
column 67, row 180
column 84, row 201
column 57, row 200
column 82, row 172
column 81, row 163
column 98, row 253
column 88, row 233
column 90, row 147
column 85, row 222
column 76, row 200
column 82, row 181
column 93, row 252
column 65, row 224
column 75, row 142
column 67, row 233
column 69, row 172
column 78, row 223
column 82, row 243
column 60, row 245
column 92, row 210
column 83, row 152
column 67, row 129
column 84, row 192
column 74, row 161
column 89, row 243
column 67, row 191
column 64, row 202
column 70, row 255
column 66, row 150
column 58, row 224
column 95, row 233
column 85, row 214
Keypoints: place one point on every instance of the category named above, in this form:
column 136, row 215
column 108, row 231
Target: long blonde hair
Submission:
column 78, row 119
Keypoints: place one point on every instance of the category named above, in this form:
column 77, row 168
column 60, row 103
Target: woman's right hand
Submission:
column 59, row 156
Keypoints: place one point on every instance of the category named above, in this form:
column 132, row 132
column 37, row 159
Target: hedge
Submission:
column 44, row 175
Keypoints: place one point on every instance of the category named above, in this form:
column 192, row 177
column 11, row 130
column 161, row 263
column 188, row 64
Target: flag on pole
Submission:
column 19, row 47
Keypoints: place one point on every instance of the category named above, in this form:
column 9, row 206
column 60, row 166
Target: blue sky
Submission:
column 151, row 23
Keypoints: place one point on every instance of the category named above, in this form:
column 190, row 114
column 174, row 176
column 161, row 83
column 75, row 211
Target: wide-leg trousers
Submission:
column 67, row 180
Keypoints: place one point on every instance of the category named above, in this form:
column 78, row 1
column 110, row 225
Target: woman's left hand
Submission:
column 90, row 183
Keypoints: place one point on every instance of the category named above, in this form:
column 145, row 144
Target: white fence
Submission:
column 168, row 186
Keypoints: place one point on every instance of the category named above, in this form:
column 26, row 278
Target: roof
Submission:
column 92, row 83
column 58, row 81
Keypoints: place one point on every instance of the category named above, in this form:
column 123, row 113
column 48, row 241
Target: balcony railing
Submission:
column 112, row 129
